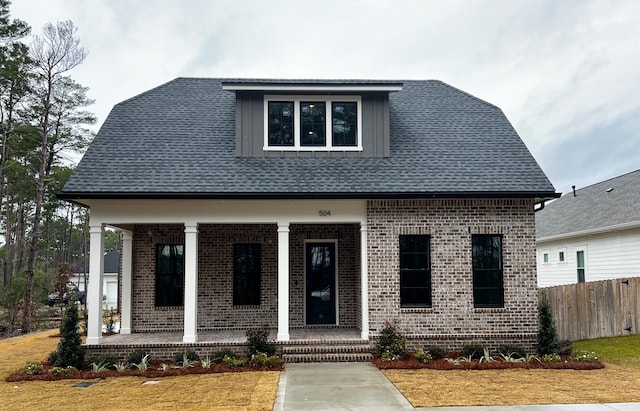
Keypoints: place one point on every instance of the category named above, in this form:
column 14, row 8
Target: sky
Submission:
column 565, row 73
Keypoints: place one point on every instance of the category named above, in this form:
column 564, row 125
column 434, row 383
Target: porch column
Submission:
column 190, row 283
column 94, row 294
column 283, row 282
column 364, row 281
column 126, row 282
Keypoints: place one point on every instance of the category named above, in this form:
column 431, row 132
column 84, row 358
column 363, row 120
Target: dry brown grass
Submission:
column 228, row 391
column 431, row 388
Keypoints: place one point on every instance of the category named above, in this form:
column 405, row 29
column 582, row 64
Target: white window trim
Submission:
column 546, row 253
column 562, row 250
column 296, row 122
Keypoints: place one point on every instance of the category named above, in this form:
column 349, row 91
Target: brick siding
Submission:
column 452, row 321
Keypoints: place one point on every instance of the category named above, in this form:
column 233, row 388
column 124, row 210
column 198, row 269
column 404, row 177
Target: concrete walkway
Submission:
column 337, row 386
column 361, row 386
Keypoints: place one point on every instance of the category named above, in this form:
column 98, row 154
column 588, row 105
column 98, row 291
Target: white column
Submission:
column 364, row 281
column 126, row 283
column 94, row 294
column 190, row 283
column 283, row 282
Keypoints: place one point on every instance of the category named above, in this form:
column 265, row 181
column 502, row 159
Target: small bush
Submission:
column 423, row 356
column 70, row 351
column 107, row 361
column 32, row 368
column 273, row 361
column 234, row 362
column 565, row 347
column 186, row 357
column 258, row 341
column 63, row 371
column 514, row 351
column 551, row 358
column 218, row 356
column 585, row 356
column 437, row 353
column 260, row 359
column 473, row 351
column 391, row 345
column 137, row 356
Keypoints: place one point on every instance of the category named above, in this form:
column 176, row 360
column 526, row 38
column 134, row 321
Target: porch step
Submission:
column 358, row 351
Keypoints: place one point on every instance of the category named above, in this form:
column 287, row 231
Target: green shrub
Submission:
column 186, row 357
column 473, row 351
column 218, row 356
column 63, row 371
column 423, row 356
column 137, row 356
column 104, row 362
column 32, row 368
column 70, row 351
column 565, row 347
column 258, row 341
column 437, row 353
column 514, row 351
column 391, row 345
column 234, row 362
column 260, row 359
column 547, row 333
column 551, row 358
column 585, row 356
column 273, row 361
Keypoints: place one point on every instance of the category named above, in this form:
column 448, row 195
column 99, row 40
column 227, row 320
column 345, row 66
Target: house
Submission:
column 591, row 234
column 317, row 207
column 111, row 270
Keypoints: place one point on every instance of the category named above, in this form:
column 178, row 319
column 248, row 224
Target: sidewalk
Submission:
column 361, row 386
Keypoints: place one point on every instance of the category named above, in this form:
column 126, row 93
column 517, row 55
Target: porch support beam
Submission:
column 283, row 281
column 190, row 283
column 126, row 282
column 364, row 281
column 96, row 273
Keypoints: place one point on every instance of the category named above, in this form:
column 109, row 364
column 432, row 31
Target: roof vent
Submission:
column 610, row 189
column 574, row 190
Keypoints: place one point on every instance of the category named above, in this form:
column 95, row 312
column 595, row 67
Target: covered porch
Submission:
column 208, row 316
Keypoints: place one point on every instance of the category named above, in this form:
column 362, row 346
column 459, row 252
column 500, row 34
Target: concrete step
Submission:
column 327, row 351
column 327, row 357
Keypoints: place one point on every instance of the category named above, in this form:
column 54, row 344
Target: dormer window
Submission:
column 308, row 123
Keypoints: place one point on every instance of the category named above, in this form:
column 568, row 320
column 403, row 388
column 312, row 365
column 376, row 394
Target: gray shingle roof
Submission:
column 608, row 203
column 178, row 139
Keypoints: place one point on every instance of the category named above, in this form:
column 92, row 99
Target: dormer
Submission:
column 329, row 118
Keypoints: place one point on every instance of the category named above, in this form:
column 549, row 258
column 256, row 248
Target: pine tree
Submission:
column 70, row 351
column 547, row 333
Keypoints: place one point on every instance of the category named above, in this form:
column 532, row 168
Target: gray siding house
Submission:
column 320, row 208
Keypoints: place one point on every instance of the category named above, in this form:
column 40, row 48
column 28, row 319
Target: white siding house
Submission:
column 110, row 279
column 591, row 235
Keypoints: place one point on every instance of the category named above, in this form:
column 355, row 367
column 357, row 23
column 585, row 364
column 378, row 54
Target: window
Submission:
column 488, row 291
column 561, row 256
column 246, row 274
column 415, row 271
column 545, row 258
column 169, row 275
column 580, row 266
column 313, row 123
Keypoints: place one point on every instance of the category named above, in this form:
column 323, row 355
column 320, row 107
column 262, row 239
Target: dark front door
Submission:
column 321, row 281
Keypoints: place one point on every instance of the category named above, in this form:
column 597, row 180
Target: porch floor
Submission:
column 221, row 337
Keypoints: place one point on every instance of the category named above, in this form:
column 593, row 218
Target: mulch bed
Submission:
column 152, row 372
column 410, row 363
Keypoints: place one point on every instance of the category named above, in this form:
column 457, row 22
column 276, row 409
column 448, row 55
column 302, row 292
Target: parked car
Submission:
column 73, row 293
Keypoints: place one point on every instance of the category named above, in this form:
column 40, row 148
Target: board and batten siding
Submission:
column 250, row 129
column 610, row 255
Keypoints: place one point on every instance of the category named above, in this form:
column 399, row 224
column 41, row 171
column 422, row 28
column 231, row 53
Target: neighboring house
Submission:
column 591, row 234
column 110, row 279
column 315, row 205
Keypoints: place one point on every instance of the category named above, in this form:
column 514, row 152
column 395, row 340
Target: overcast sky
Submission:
column 565, row 72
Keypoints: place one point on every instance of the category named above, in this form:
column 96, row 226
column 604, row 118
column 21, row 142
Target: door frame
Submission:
column 335, row 280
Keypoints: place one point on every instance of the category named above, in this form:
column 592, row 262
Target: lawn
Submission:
column 619, row 381
column 226, row 391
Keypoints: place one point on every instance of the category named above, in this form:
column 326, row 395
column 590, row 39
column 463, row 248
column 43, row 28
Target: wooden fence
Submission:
column 595, row 309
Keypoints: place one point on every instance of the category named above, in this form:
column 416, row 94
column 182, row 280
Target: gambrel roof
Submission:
column 610, row 204
column 178, row 141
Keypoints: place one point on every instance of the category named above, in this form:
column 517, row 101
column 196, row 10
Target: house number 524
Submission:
column 324, row 213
